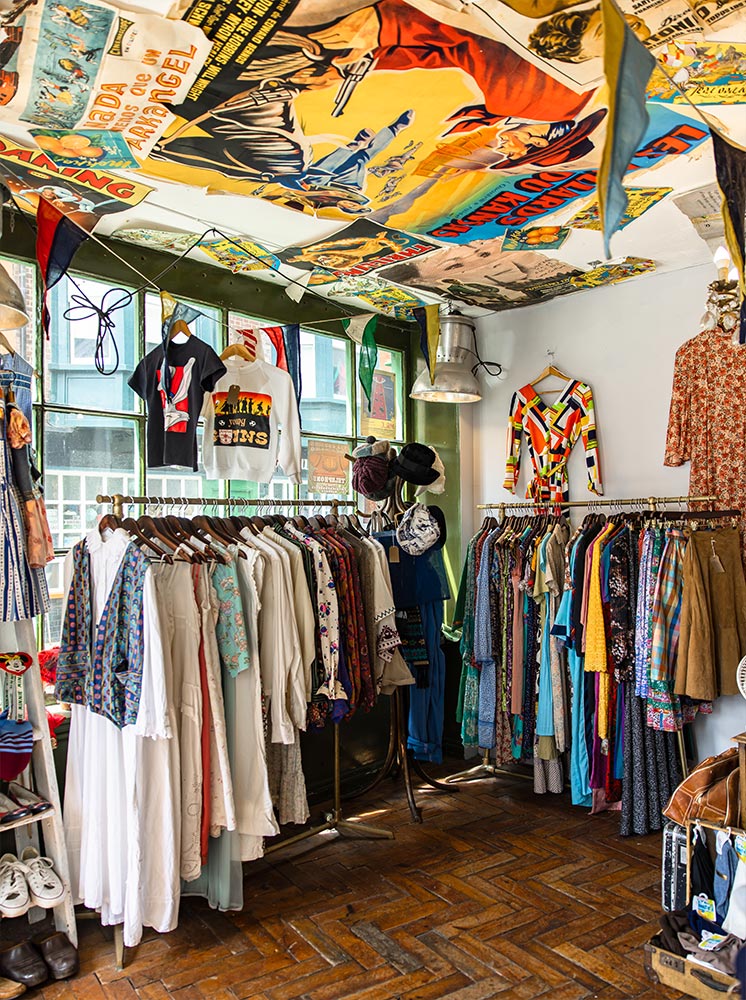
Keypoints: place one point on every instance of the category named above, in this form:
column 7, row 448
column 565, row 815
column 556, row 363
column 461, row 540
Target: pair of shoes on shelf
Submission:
column 19, row 803
column 30, row 963
column 28, row 881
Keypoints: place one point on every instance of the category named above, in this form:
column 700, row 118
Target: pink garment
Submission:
column 516, row 701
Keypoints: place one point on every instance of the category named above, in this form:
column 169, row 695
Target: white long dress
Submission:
column 121, row 812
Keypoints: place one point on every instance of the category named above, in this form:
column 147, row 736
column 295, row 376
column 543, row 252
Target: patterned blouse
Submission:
column 551, row 432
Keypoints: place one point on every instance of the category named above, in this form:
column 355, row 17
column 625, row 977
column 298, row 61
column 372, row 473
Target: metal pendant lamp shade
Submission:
column 12, row 307
column 454, row 380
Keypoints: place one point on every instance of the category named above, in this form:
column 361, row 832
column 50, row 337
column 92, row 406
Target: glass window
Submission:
column 71, row 378
column 85, row 455
column 238, row 323
column 383, row 417
column 208, row 326
column 325, row 403
column 326, row 470
column 53, row 619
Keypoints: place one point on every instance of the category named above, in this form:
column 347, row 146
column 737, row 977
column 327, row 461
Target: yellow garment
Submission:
column 595, row 635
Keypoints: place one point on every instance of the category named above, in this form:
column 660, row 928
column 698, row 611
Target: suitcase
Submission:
column 673, row 868
column 687, row 977
column 677, row 971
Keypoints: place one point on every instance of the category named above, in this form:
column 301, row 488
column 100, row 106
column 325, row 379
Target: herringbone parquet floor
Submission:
column 500, row 893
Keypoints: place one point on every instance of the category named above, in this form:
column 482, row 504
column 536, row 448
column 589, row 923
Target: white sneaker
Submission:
column 14, row 890
column 45, row 886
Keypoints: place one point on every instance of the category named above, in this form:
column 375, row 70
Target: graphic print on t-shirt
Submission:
column 176, row 410
column 246, row 424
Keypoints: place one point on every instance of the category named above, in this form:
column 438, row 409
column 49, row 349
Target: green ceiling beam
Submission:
column 195, row 280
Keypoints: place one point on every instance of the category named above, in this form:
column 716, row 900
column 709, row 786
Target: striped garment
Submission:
column 16, row 744
column 551, row 433
column 24, row 591
column 664, row 708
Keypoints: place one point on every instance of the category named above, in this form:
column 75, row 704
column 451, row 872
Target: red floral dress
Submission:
column 707, row 419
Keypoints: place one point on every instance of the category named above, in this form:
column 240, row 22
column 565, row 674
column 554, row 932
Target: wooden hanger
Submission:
column 6, row 345
column 178, row 327
column 130, row 524
column 237, row 351
column 109, row 522
column 547, row 372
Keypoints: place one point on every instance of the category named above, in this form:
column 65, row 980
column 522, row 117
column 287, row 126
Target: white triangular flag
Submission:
column 297, row 287
column 355, row 326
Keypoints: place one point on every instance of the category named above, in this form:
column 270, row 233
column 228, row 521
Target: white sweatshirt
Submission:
column 243, row 441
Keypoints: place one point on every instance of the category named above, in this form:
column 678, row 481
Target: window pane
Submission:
column 83, row 456
column 208, row 326
column 325, row 405
column 53, row 619
column 383, row 417
column 22, row 340
column 326, row 471
column 71, row 378
column 177, row 482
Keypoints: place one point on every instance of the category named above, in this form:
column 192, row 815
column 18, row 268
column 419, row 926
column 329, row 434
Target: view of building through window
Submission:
column 90, row 428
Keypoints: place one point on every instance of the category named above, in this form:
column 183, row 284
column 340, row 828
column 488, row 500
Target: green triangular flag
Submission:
column 368, row 348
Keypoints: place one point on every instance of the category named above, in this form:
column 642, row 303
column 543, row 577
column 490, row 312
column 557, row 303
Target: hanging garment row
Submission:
column 596, row 646
column 216, row 641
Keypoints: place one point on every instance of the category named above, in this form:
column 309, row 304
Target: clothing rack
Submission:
column 333, row 821
column 118, row 501
column 652, row 504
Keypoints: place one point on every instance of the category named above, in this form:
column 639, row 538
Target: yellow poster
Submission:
column 328, row 468
column 639, row 200
column 379, row 416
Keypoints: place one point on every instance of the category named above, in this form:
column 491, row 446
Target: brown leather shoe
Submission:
column 61, row 957
column 23, row 964
column 9, row 989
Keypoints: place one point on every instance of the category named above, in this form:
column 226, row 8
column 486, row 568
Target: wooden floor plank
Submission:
column 500, row 893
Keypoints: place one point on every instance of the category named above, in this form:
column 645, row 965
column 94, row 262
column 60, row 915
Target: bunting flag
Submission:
column 627, row 67
column 365, row 326
column 286, row 342
column 250, row 341
column 730, row 169
column 57, row 239
column 428, row 318
column 355, row 326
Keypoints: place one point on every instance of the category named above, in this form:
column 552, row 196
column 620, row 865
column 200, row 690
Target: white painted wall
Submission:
column 621, row 340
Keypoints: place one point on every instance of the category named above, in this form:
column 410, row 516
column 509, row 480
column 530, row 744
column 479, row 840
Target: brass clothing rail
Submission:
column 118, row 501
column 333, row 821
column 651, row 502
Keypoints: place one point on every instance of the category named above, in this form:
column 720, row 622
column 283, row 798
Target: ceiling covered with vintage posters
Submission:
column 385, row 154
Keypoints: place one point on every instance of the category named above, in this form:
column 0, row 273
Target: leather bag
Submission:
column 710, row 792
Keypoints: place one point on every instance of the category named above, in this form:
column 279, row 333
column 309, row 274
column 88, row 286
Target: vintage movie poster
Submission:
column 639, row 200
column 239, row 255
column 522, row 201
column 93, row 66
column 83, row 193
column 355, row 251
column 378, row 416
column 538, row 238
column 704, row 74
column 328, row 468
column 85, row 148
column 158, row 239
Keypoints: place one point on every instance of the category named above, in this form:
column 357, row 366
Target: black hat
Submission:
column 414, row 464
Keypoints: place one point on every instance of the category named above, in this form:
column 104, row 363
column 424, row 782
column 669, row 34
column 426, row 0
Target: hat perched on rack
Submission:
column 420, row 465
column 371, row 469
column 420, row 529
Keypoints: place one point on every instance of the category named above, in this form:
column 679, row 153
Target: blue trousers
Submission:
column 426, row 705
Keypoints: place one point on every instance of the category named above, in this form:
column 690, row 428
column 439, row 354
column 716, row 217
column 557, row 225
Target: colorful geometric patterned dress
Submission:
column 551, row 432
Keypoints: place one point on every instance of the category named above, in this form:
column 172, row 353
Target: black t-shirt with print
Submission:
column 172, row 426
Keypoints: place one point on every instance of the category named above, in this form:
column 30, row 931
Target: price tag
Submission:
column 740, row 846
column 704, row 907
column 232, row 397
column 393, row 554
column 711, row 941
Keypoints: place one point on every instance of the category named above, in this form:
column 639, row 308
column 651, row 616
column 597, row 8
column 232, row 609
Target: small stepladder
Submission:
column 45, row 784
